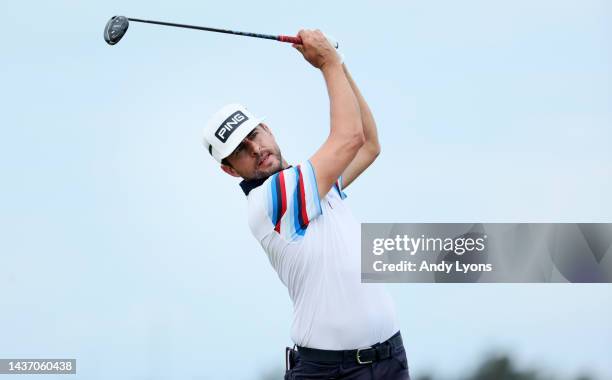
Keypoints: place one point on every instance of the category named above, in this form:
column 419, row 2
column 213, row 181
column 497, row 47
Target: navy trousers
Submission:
column 393, row 368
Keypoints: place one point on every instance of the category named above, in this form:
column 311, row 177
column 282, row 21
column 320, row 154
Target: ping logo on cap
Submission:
column 230, row 125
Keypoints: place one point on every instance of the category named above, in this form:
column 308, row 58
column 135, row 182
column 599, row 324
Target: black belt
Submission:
column 379, row 351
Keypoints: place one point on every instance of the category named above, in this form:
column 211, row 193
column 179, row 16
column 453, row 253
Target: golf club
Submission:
column 117, row 26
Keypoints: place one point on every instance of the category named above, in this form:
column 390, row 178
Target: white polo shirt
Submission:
column 314, row 246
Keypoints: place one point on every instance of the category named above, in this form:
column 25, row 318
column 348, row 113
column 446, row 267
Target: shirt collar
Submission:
column 249, row 184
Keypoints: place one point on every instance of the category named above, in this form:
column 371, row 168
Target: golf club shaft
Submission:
column 281, row 38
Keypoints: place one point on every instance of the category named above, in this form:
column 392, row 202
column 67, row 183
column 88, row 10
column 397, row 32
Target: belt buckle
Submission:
column 359, row 359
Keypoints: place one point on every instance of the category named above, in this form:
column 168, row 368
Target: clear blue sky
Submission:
column 124, row 246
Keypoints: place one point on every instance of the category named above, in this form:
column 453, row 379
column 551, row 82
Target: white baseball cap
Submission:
column 226, row 129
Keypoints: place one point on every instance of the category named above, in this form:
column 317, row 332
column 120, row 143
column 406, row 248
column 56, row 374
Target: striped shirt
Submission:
column 314, row 246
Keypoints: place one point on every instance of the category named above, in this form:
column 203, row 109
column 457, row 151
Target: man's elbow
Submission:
column 374, row 149
column 371, row 149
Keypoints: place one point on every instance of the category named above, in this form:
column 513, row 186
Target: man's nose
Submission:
column 253, row 147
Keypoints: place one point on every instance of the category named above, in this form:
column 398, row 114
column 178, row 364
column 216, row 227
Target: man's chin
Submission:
column 266, row 171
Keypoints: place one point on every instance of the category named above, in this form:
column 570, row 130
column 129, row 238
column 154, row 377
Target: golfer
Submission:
column 343, row 329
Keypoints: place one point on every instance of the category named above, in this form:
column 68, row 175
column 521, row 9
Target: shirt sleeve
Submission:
column 287, row 202
column 339, row 188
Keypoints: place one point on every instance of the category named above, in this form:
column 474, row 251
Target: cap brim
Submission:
column 240, row 135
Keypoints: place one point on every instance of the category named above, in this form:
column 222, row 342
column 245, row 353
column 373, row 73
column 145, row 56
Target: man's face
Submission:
column 257, row 156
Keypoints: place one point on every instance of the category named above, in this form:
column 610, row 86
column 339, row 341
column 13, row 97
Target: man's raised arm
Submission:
column 346, row 135
column 371, row 147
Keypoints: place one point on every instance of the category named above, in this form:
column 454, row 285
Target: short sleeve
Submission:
column 286, row 203
column 339, row 188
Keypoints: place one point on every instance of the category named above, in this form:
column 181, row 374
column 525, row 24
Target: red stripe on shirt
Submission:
column 283, row 205
column 303, row 214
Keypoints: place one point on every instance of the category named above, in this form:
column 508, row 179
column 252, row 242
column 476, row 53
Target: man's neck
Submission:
column 249, row 184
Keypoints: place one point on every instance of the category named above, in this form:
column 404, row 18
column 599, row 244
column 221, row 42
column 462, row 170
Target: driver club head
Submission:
column 115, row 29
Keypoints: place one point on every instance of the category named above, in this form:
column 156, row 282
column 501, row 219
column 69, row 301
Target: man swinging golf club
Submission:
column 343, row 329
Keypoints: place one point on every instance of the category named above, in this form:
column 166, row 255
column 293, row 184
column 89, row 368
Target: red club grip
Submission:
column 291, row 39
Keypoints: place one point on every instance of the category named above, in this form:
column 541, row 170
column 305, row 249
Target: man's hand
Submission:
column 317, row 50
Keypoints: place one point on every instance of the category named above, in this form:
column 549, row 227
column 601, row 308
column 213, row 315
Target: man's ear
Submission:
column 265, row 127
column 229, row 170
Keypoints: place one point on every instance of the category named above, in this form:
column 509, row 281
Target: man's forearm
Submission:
column 367, row 119
column 344, row 105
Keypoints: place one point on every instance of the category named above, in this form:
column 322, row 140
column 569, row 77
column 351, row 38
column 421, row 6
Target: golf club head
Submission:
column 115, row 29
